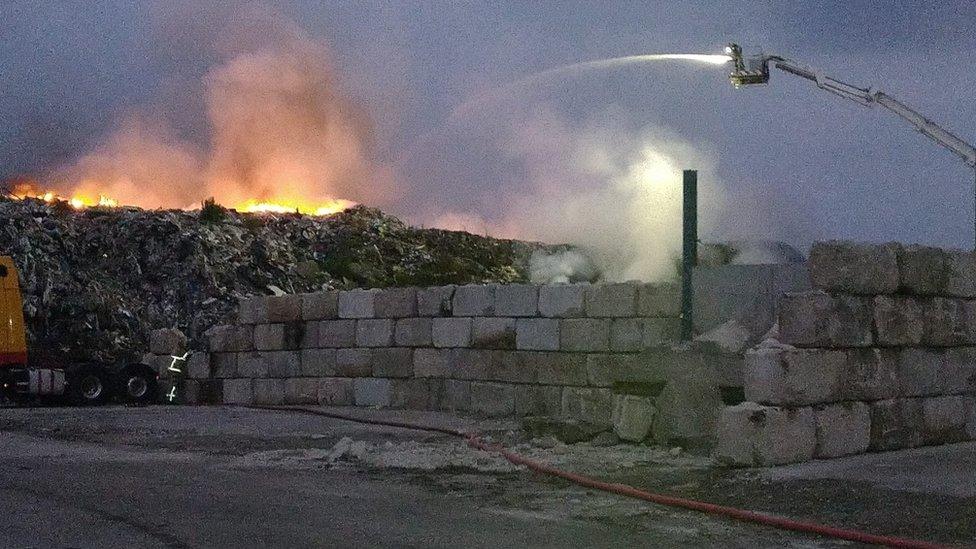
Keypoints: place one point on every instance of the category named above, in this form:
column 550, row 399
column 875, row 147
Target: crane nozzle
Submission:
column 746, row 71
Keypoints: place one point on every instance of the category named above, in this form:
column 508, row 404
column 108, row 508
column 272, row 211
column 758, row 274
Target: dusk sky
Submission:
column 791, row 161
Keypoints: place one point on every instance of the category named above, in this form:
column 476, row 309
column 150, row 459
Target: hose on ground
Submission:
column 475, row 440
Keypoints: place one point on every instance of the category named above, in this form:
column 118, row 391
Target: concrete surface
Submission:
column 234, row 477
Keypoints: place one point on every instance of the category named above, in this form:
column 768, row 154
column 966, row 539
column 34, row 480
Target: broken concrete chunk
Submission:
column 632, row 417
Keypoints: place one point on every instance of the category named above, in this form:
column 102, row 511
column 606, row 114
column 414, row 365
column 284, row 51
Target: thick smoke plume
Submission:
column 611, row 190
column 277, row 129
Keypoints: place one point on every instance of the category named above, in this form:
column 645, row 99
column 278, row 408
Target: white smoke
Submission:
column 614, row 192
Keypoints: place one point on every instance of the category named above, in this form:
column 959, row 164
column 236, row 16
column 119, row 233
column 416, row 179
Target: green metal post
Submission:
column 689, row 249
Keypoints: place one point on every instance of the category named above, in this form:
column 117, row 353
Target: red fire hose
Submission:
column 475, row 441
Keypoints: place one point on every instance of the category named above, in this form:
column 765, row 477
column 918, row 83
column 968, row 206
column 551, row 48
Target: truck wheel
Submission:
column 88, row 386
column 138, row 385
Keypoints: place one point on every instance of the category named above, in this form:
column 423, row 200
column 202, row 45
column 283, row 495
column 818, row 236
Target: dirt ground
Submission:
column 234, row 477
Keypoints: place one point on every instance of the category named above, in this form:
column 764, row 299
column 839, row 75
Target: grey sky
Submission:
column 812, row 164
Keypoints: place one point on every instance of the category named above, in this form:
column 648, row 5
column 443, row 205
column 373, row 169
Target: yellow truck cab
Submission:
column 81, row 383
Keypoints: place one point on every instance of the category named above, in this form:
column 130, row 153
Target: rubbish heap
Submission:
column 96, row 281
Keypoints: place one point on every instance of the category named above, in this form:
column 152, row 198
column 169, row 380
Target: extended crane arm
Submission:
column 756, row 71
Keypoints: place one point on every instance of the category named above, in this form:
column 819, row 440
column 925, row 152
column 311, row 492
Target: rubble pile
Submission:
column 96, row 281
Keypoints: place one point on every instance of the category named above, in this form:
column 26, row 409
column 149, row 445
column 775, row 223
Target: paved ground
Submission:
column 230, row 477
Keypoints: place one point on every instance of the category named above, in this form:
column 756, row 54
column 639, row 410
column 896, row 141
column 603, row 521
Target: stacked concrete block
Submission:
column 496, row 350
column 882, row 356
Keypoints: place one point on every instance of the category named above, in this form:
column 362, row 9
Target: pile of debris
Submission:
column 96, row 281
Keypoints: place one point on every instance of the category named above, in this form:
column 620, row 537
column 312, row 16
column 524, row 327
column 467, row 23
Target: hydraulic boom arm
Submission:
column 867, row 97
column 755, row 70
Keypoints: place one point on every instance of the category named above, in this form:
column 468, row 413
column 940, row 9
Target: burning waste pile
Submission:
column 97, row 279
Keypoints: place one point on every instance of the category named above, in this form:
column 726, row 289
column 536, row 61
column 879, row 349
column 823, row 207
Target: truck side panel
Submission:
column 13, row 343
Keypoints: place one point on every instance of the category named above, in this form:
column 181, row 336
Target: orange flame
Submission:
column 28, row 189
column 293, row 206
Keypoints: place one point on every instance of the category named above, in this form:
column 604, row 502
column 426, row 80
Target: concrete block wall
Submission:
column 880, row 356
column 492, row 350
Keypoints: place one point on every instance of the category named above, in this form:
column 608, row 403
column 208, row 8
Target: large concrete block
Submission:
column 251, row 364
column 228, row 338
column 538, row 400
column 751, row 434
column 556, row 368
column 516, row 300
column 269, row 391
column 395, row 303
column 898, row 321
column 626, row 334
column 945, row 419
column 817, row 319
column 269, row 337
column 871, row 374
column 933, row 271
column 584, row 334
column 470, row 364
column 318, row 362
column 611, row 300
column 455, row 396
column 301, row 390
column 493, row 333
column 253, row 310
column 562, row 300
column 225, row 365
column 600, row 367
column 658, row 300
column 413, row 332
column 435, row 301
column 432, row 363
column 474, row 300
column 336, row 391
column 283, row 363
column 357, row 304
column 896, row 424
column 842, row 429
column 414, row 394
column 354, row 362
column 960, row 373
column 377, row 332
column 922, row 372
column 492, row 399
column 659, row 331
column 512, row 366
column 320, row 305
column 167, row 341
column 794, row 377
column 284, row 308
column 237, row 391
column 308, row 333
column 393, row 362
column 451, row 332
column 537, row 334
column 198, row 365
column 849, row 267
column 948, row 322
column 632, row 417
column 593, row 405
column 337, row 333
column 372, row 391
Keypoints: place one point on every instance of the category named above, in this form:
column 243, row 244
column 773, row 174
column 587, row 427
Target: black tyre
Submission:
column 137, row 384
column 88, row 385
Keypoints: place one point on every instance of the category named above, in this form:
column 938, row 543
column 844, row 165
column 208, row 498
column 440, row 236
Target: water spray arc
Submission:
column 754, row 70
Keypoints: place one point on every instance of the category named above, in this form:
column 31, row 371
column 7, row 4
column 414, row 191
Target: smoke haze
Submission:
column 277, row 129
